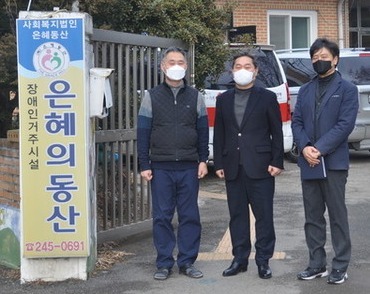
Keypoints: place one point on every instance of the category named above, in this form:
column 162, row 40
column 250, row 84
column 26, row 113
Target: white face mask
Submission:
column 243, row 77
column 176, row 72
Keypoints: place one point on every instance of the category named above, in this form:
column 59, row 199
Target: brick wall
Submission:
column 9, row 173
column 251, row 12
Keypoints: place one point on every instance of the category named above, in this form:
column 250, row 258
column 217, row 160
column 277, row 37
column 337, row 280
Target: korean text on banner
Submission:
column 51, row 70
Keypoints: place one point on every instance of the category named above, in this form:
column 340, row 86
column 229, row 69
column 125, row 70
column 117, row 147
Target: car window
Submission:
column 355, row 69
column 352, row 68
column 269, row 74
column 298, row 71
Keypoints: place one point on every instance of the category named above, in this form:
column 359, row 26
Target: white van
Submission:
column 270, row 75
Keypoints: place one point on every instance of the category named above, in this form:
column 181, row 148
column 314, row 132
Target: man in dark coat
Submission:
column 324, row 117
column 248, row 154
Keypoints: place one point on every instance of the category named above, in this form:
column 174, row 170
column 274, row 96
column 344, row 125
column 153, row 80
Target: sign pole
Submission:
column 57, row 150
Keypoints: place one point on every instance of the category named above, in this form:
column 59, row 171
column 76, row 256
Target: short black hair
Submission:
column 244, row 54
column 324, row 43
column 173, row 49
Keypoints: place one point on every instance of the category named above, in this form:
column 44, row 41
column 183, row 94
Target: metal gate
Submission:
column 123, row 198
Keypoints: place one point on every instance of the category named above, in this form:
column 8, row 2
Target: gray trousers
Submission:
column 317, row 196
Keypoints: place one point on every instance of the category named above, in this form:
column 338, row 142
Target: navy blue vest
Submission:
column 174, row 131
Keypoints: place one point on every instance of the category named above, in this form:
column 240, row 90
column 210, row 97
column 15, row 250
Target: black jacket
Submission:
column 174, row 134
column 257, row 143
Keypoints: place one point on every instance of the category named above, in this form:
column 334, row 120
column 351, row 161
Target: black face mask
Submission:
column 321, row 66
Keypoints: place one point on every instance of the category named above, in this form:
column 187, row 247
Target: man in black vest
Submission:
column 248, row 154
column 173, row 151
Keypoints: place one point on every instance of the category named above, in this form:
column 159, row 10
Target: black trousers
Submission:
column 317, row 196
column 259, row 194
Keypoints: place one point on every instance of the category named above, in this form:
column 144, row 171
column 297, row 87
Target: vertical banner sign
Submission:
column 53, row 135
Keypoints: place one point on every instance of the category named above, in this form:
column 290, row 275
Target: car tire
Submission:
column 293, row 154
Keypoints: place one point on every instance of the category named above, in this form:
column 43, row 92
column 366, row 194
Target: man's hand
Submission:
column 274, row 171
column 220, row 173
column 202, row 170
column 311, row 154
column 147, row 174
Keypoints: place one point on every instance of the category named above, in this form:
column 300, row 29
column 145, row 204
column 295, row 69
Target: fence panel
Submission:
column 123, row 198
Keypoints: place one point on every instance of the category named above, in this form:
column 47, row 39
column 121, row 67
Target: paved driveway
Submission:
column 134, row 274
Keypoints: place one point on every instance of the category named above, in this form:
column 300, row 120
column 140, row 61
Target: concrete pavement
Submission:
column 135, row 273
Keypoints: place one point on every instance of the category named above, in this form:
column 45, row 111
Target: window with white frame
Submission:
column 290, row 29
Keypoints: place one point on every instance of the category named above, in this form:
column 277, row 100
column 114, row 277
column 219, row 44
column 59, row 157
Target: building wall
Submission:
column 251, row 12
column 9, row 204
column 9, row 173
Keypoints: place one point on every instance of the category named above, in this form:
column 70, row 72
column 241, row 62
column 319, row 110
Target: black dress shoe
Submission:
column 235, row 268
column 264, row 271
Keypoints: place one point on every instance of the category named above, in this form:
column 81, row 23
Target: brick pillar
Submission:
column 9, row 173
column 9, row 201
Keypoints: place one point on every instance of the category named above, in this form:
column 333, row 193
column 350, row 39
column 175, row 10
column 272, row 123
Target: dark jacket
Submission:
column 257, row 143
column 174, row 134
column 172, row 131
column 336, row 120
